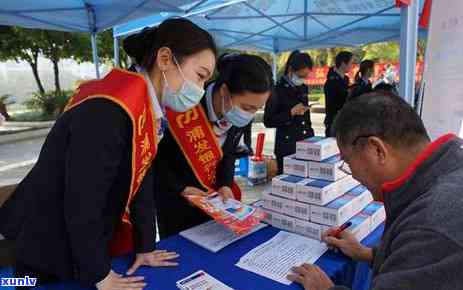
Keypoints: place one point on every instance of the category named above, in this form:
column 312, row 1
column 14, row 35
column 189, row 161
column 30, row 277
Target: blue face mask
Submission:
column 237, row 116
column 184, row 99
column 297, row 81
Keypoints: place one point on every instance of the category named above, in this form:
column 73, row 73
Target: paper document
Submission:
column 275, row 258
column 201, row 281
column 237, row 216
column 214, row 236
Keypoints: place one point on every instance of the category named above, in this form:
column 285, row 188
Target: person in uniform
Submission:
column 89, row 196
column 288, row 109
column 336, row 88
column 203, row 141
column 362, row 83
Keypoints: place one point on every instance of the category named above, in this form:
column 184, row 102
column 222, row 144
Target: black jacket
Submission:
column 63, row 214
column 277, row 115
column 173, row 173
column 359, row 88
column 336, row 92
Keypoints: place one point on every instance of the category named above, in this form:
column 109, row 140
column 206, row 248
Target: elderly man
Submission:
column 387, row 148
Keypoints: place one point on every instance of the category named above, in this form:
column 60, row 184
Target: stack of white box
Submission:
column 313, row 194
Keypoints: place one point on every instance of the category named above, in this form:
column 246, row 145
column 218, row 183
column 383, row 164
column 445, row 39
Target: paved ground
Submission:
column 16, row 159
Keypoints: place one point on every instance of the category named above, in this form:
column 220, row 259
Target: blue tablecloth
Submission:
column 222, row 266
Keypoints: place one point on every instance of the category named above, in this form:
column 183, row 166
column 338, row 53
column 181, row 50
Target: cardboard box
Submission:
column 360, row 227
column 308, row 229
column 377, row 214
column 316, row 148
column 286, row 185
column 294, row 166
column 362, row 198
column 321, row 192
column 327, row 169
column 334, row 213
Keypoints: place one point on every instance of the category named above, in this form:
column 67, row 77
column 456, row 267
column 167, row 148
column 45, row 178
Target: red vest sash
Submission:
column 129, row 91
column 195, row 136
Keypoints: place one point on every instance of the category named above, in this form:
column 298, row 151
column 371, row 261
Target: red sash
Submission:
column 128, row 90
column 193, row 133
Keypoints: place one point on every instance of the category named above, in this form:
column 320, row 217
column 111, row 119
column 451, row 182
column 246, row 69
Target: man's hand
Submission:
column 311, row 277
column 154, row 259
column 115, row 281
column 348, row 244
column 299, row 110
column 225, row 193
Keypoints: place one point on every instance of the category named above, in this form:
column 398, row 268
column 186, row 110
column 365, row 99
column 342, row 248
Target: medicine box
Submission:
column 294, row 166
column 316, row 148
column 286, row 185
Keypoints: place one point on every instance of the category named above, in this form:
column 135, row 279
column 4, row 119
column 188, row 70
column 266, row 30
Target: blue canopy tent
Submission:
column 282, row 25
column 90, row 16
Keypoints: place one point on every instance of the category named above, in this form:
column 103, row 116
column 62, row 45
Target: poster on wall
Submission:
column 442, row 100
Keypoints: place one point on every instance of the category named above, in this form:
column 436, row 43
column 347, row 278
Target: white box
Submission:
column 277, row 204
column 286, row 185
column 283, row 222
column 298, row 210
column 362, row 198
column 297, row 167
column 377, row 214
column 327, row 169
column 308, row 229
column 334, row 213
column 321, row 192
column 360, row 227
column 316, row 148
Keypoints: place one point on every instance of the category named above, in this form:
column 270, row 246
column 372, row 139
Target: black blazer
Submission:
column 336, row 90
column 175, row 173
column 277, row 115
column 359, row 88
column 63, row 214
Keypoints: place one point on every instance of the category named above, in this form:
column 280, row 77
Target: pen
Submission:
column 338, row 232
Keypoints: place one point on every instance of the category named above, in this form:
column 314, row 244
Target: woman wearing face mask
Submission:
column 89, row 197
column 288, row 109
column 197, row 154
column 362, row 79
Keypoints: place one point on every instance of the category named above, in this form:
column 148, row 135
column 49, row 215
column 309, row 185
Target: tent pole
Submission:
column 116, row 52
column 95, row 55
column 274, row 66
column 408, row 49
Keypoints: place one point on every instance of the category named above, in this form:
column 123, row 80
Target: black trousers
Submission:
column 21, row 271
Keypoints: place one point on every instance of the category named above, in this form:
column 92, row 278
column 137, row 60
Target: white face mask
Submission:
column 184, row 99
column 237, row 116
column 297, row 81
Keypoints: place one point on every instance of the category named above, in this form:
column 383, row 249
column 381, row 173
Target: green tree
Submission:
column 21, row 44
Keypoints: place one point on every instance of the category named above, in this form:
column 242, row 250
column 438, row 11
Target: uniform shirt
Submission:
column 161, row 120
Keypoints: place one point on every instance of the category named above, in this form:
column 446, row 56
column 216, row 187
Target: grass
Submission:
column 320, row 97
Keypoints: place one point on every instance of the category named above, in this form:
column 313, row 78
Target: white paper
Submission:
column 214, row 236
column 201, row 281
column 275, row 258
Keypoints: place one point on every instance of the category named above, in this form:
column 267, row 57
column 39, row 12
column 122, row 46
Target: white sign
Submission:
column 443, row 92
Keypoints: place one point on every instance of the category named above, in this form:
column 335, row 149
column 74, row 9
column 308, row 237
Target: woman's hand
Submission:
column 154, row 259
